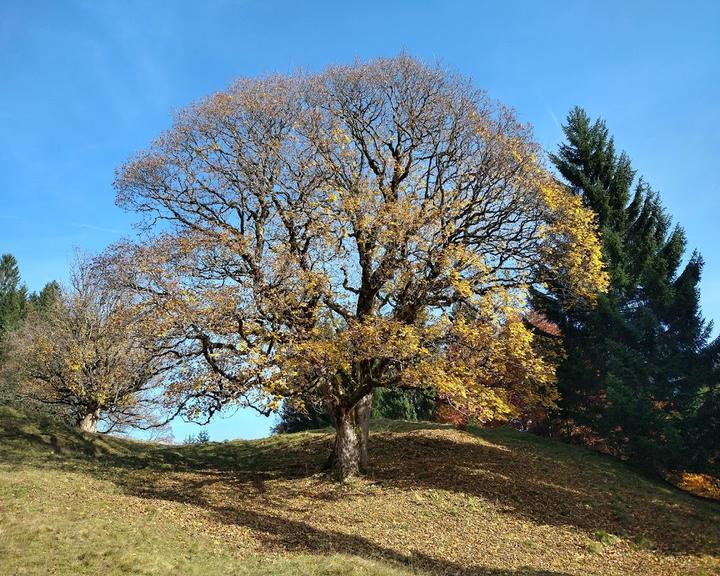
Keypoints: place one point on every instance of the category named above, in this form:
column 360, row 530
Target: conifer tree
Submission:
column 50, row 295
column 312, row 414
column 13, row 300
column 13, row 295
column 634, row 364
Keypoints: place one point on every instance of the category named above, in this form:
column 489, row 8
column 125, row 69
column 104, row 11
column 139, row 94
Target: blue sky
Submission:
column 85, row 84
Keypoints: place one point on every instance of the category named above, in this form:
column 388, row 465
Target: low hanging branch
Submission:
column 374, row 225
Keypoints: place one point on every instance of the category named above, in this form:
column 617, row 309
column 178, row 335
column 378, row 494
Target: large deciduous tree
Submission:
column 91, row 352
column 375, row 225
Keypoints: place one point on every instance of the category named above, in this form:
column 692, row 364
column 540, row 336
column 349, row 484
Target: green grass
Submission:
column 490, row 502
column 57, row 519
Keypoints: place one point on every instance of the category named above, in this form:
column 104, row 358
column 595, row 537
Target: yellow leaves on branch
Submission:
column 91, row 350
column 573, row 252
column 331, row 354
column 488, row 366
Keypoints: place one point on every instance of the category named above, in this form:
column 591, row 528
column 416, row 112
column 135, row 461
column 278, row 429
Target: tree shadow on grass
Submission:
column 545, row 482
column 551, row 483
column 295, row 536
column 23, row 437
column 280, row 533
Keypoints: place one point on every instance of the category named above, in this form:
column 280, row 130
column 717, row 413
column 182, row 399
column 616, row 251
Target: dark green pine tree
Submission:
column 13, row 295
column 13, row 304
column 48, row 297
column 635, row 362
column 701, row 424
column 593, row 170
column 698, row 363
column 311, row 416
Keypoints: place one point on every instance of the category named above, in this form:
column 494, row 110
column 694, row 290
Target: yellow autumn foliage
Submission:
column 379, row 224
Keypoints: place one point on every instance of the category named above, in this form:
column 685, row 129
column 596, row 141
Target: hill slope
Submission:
column 438, row 501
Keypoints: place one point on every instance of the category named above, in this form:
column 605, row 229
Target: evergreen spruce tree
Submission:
column 701, row 425
column 310, row 415
column 13, row 295
column 412, row 405
column 48, row 297
column 634, row 364
column 13, row 303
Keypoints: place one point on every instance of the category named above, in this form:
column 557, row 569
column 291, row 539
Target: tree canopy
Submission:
column 375, row 225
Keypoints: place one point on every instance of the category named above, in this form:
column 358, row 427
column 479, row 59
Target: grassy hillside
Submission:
column 438, row 501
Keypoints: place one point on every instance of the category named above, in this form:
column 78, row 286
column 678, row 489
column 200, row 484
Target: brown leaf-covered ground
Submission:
column 437, row 501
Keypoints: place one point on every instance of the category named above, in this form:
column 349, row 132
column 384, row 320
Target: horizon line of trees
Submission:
column 381, row 240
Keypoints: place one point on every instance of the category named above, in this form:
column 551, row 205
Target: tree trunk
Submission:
column 362, row 417
column 89, row 422
column 352, row 426
column 346, row 453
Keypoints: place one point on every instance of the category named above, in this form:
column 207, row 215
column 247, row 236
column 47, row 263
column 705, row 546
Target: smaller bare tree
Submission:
column 93, row 354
